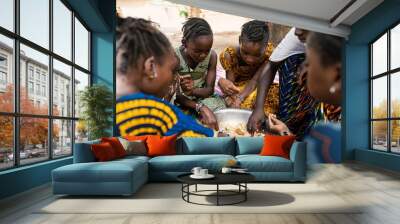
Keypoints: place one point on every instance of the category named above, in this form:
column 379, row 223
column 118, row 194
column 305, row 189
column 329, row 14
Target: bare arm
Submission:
column 267, row 76
column 185, row 102
column 265, row 80
column 208, row 89
column 252, row 84
column 226, row 84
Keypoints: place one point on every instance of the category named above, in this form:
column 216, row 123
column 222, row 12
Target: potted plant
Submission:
column 96, row 102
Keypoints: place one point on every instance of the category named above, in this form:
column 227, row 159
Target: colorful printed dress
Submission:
column 297, row 108
column 244, row 73
column 142, row 114
column 198, row 76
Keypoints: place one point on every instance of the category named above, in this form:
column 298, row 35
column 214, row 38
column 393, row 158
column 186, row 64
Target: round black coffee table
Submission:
column 238, row 179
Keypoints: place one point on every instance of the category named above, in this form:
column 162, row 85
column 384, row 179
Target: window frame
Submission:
column 16, row 114
column 388, row 74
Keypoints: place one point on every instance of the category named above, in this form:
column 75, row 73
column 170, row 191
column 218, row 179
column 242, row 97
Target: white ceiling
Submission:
column 316, row 15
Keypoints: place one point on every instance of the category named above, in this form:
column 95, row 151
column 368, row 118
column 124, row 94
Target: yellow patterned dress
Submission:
column 244, row 73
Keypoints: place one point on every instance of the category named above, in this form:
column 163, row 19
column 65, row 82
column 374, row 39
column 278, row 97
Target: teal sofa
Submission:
column 125, row 176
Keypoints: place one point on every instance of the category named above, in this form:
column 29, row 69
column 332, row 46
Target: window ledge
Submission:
column 385, row 160
column 17, row 169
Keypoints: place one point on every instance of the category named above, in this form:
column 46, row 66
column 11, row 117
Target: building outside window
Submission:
column 59, row 125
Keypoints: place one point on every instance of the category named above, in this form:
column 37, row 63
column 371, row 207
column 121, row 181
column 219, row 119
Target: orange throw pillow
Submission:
column 275, row 145
column 103, row 152
column 161, row 146
column 116, row 145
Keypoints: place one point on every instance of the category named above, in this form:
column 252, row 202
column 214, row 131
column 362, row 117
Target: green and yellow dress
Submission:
column 198, row 75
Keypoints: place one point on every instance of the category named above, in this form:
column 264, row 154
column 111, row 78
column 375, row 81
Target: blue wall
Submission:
column 356, row 82
column 99, row 16
column 24, row 178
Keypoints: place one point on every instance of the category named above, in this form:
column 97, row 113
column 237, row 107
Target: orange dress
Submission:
column 243, row 74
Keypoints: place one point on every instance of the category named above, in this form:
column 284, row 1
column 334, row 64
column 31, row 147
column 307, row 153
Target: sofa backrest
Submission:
column 83, row 152
column 249, row 145
column 195, row 146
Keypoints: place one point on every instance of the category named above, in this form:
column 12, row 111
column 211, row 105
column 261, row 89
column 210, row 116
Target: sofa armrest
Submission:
column 83, row 152
column 298, row 157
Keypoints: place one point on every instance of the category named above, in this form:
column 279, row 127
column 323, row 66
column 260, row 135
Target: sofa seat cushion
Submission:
column 112, row 171
column 257, row 163
column 133, row 158
column 185, row 163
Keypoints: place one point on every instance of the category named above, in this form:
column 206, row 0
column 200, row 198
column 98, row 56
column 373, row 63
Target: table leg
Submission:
column 217, row 194
column 188, row 192
column 196, row 188
column 245, row 193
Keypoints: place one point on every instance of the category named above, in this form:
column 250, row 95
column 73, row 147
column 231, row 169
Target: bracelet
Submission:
column 240, row 97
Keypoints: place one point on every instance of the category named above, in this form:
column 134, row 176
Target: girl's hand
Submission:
column 187, row 85
column 232, row 101
column 277, row 126
column 255, row 120
column 236, row 101
column 227, row 87
column 208, row 118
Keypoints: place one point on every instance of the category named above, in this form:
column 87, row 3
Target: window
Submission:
column 62, row 75
column 37, row 74
column 46, row 74
column 34, row 21
column 3, row 78
column 3, row 72
column 44, row 91
column 81, row 45
column 38, row 89
column 3, row 61
column 30, row 87
column 385, row 95
column 7, row 14
column 62, row 29
column 30, row 72
column 7, row 73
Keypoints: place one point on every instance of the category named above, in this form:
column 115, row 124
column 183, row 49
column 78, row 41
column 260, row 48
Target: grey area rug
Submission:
column 166, row 198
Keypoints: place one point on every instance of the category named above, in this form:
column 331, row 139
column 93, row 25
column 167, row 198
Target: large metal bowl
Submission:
column 232, row 117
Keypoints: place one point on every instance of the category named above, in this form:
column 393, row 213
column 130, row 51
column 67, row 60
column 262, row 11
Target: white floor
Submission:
column 378, row 190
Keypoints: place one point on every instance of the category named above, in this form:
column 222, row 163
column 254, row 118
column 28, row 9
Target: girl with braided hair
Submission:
column 146, row 65
column 243, row 65
column 198, row 72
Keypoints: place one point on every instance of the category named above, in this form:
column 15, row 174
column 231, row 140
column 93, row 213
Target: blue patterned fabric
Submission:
column 297, row 109
column 142, row 114
column 324, row 143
